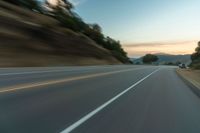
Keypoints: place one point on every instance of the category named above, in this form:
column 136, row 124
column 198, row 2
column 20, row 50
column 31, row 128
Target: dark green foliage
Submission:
column 96, row 28
column 115, row 46
column 95, row 33
column 149, row 58
column 195, row 57
column 172, row 63
column 169, row 63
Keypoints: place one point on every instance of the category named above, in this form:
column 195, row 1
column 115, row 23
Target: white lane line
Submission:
column 91, row 114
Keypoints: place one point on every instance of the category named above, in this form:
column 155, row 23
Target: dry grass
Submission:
column 193, row 76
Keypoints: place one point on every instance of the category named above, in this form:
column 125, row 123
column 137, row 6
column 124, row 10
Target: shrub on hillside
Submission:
column 195, row 57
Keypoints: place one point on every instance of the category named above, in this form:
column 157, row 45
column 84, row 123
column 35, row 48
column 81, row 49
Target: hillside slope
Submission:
column 32, row 39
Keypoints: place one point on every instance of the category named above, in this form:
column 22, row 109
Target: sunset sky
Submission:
column 146, row 26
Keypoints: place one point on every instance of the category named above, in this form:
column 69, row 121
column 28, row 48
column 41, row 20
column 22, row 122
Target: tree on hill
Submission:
column 149, row 58
column 195, row 57
column 96, row 28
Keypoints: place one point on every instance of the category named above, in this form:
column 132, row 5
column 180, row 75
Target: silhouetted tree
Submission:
column 149, row 58
column 195, row 57
column 94, row 32
column 198, row 48
column 96, row 28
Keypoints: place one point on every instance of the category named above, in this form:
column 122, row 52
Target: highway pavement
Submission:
column 97, row 99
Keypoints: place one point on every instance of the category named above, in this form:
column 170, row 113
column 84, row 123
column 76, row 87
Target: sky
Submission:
column 146, row 26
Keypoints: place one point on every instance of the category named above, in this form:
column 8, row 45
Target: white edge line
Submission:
column 89, row 115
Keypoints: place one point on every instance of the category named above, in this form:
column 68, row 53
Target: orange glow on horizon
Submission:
column 175, row 48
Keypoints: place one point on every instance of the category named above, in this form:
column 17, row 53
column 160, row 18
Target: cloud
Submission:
column 173, row 47
column 154, row 44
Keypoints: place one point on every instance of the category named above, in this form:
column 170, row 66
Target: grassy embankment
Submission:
column 32, row 39
column 192, row 76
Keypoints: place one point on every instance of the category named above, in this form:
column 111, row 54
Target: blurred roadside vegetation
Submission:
column 172, row 63
column 196, row 58
column 63, row 12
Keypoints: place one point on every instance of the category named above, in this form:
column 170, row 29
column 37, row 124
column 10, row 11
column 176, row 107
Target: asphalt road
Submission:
column 97, row 99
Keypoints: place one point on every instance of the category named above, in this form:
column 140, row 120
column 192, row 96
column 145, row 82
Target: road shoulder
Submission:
column 191, row 78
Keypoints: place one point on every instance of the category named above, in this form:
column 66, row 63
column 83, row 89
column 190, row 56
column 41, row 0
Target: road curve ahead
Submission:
column 97, row 99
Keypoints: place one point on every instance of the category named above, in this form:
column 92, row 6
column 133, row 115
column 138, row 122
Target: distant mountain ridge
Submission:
column 166, row 58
